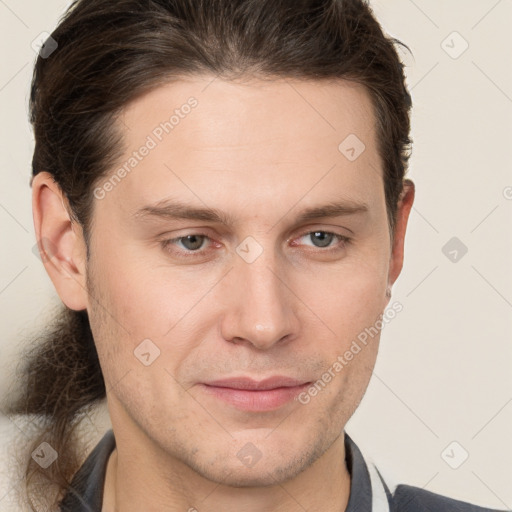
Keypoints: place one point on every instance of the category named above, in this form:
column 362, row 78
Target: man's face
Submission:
column 263, row 295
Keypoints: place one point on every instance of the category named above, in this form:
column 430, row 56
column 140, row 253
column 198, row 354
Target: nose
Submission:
column 261, row 310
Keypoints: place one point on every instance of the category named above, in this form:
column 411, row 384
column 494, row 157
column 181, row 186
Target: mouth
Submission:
column 251, row 395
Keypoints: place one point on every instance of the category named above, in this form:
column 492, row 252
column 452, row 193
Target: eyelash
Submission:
column 343, row 240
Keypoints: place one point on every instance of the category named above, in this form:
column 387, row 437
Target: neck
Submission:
column 146, row 480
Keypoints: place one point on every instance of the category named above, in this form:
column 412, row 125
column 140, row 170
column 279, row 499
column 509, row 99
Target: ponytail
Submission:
column 60, row 380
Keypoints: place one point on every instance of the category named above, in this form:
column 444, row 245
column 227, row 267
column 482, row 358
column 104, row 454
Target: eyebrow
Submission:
column 175, row 210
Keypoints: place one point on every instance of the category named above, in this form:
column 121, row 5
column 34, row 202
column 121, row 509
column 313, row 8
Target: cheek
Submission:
column 138, row 296
column 138, row 302
column 349, row 302
column 349, row 297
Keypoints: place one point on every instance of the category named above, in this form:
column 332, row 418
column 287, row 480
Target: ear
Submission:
column 397, row 253
column 60, row 241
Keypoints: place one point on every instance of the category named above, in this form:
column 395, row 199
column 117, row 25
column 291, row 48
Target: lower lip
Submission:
column 254, row 400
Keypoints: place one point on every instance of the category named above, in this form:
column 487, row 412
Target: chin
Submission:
column 248, row 477
column 251, row 480
column 264, row 473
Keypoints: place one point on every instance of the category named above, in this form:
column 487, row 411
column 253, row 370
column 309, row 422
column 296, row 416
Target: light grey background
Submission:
column 443, row 372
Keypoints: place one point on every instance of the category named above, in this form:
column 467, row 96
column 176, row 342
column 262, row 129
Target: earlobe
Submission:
column 60, row 241
column 402, row 216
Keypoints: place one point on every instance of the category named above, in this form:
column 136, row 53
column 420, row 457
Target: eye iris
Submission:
column 197, row 241
column 326, row 238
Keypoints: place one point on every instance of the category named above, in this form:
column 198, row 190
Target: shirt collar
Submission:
column 368, row 491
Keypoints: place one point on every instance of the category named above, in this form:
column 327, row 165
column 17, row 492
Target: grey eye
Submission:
column 323, row 238
column 192, row 242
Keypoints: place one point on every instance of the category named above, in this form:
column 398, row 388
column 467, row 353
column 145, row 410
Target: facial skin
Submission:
column 262, row 153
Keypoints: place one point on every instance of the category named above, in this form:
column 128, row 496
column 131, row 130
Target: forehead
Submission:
column 250, row 141
column 254, row 110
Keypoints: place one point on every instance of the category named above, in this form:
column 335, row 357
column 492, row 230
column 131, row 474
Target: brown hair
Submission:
column 111, row 51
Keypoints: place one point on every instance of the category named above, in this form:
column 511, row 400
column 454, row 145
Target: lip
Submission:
column 252, row 395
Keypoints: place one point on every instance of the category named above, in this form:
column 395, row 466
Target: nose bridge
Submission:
column 261, row 307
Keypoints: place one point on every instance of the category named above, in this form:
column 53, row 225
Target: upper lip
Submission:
column 276, row 381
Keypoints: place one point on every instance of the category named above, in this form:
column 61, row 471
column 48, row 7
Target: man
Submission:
column 220, row 202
